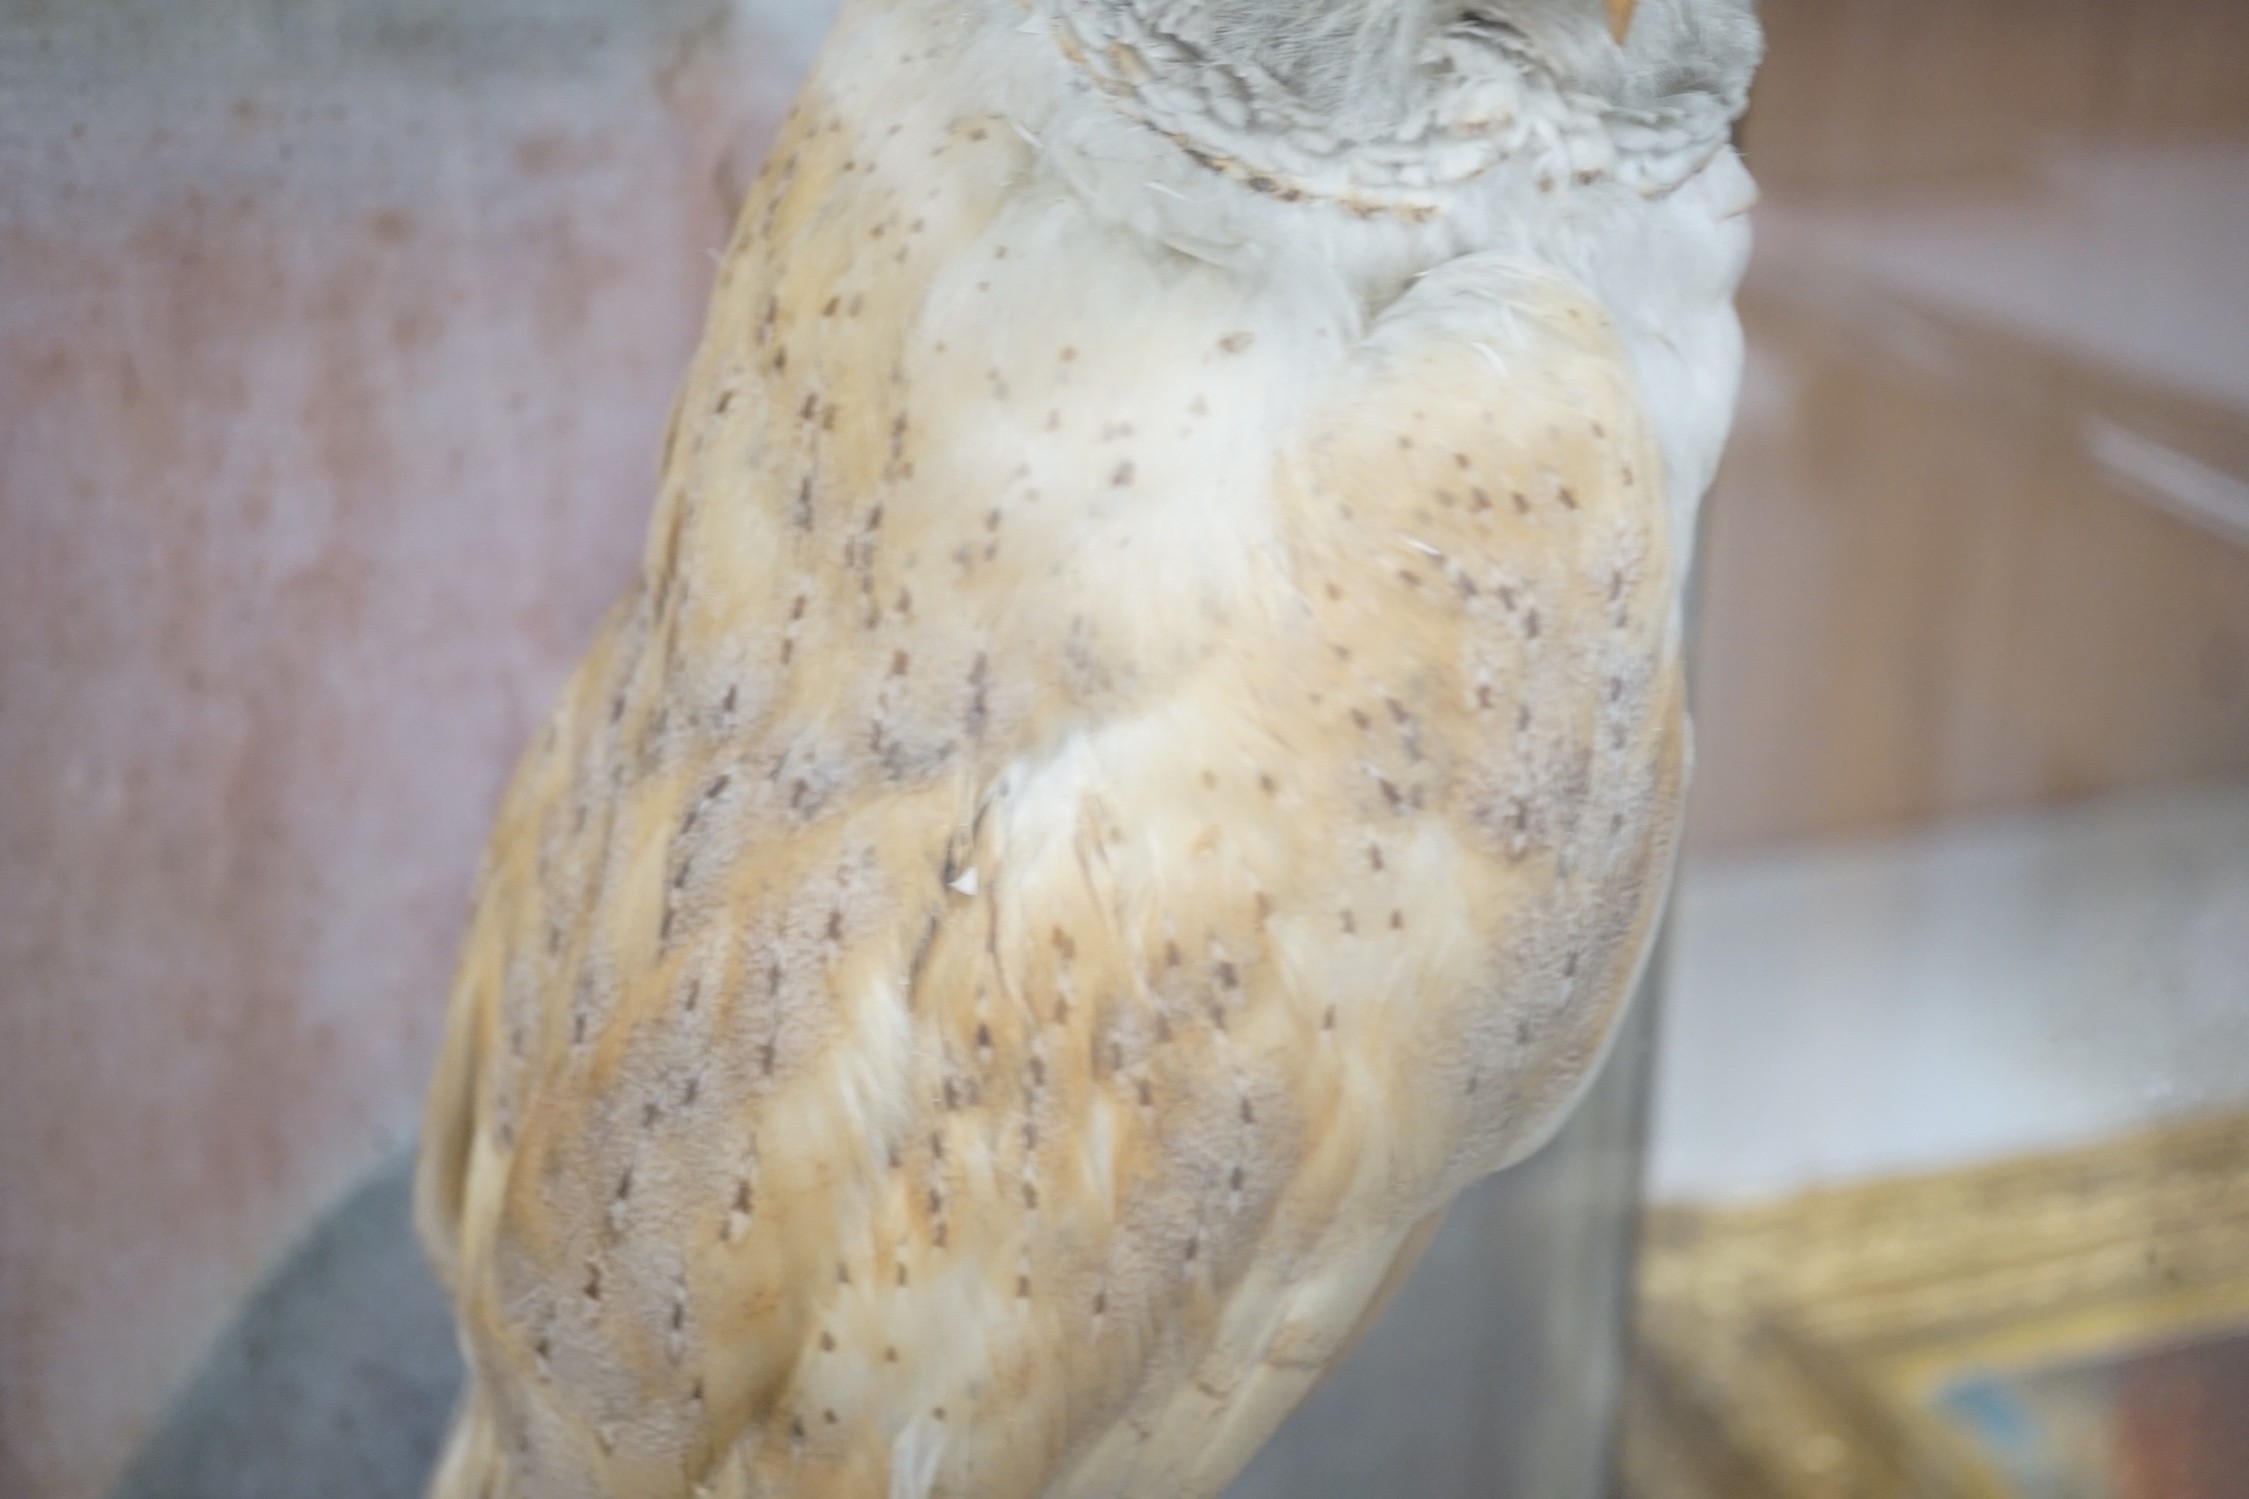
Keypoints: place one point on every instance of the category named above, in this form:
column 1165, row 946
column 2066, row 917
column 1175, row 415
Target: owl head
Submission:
column 1429, row 92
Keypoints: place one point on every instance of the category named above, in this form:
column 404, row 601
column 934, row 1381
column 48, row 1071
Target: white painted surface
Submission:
column 1919, row 1003
column 2171, row 480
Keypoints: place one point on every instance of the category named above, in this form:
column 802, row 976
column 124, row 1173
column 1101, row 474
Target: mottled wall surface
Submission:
column 335, row 341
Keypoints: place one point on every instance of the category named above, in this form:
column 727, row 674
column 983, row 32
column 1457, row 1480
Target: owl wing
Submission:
column 510, row 883
column 1054, row 1121
column 902, row 1049
column 1475, row 714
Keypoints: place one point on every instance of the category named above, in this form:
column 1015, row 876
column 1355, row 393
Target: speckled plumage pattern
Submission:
column 1126, row 779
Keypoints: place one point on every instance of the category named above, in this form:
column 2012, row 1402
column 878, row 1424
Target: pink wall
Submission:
column 334, row 349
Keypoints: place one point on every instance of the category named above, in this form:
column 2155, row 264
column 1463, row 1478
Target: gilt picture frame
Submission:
column 2074, row 1326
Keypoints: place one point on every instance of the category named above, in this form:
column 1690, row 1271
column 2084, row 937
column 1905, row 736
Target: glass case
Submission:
column 1950, row 1159
column 336, row 343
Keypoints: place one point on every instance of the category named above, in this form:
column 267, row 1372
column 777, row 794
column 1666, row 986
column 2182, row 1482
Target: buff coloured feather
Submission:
column 1143, row 755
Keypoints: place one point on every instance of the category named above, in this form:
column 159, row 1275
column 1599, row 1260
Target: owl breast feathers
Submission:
column 1130, row 773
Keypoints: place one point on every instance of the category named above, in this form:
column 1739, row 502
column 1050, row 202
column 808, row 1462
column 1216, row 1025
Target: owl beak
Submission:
column 1620, row 18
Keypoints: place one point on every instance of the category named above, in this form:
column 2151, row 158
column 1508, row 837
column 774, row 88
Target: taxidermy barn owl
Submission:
column 1143, row 755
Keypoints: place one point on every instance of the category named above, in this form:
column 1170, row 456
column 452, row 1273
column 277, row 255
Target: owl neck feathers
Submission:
column 1383, row 106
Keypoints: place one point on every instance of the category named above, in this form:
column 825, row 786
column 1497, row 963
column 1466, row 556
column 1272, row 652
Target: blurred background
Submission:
column 335, row 341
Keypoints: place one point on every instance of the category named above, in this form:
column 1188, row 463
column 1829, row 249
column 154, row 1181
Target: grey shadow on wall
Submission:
column 336, row 1380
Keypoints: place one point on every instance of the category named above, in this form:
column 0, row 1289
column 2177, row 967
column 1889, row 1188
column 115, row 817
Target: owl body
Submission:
column 1142, row 757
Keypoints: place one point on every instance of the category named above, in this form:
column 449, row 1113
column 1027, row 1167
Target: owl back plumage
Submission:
column 1134, row 768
